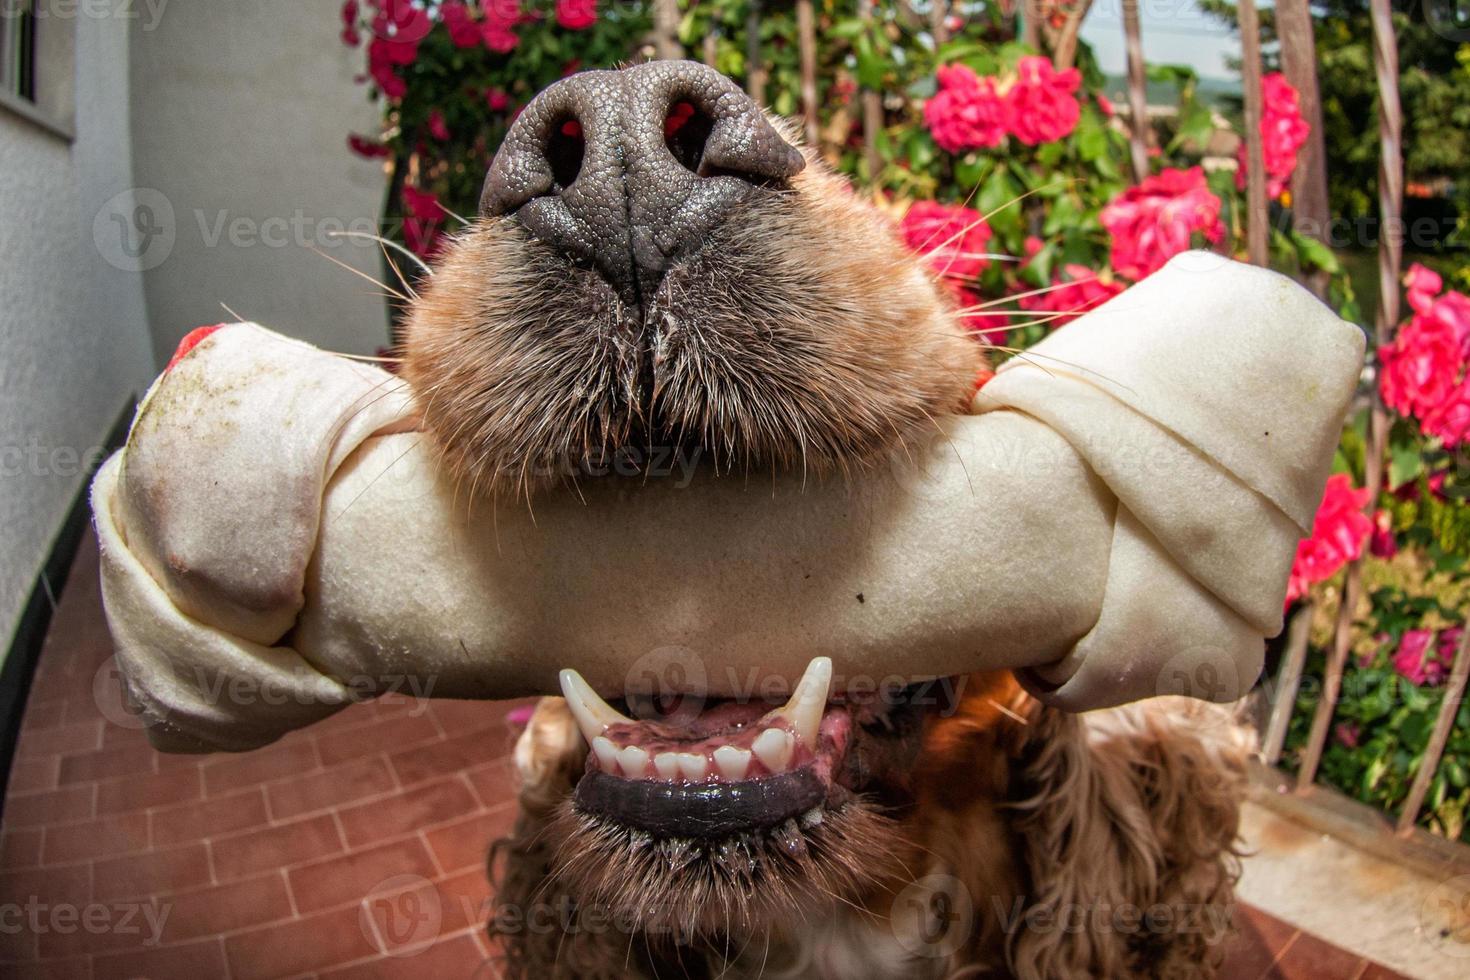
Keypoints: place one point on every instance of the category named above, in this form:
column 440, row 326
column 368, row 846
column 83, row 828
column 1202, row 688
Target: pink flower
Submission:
column 1338, row 533
column 350, row 34
column 967, row 113
column 496, row 99
column 954, row 238
column 1154, row 221
column 576, row 15
column 1382, row 544
column 1347, row 734
column 464, row 30
column 1415, row 663
column 1283, row 131
column 501, row 17
column 365, row 147
column 422, row 218
column 1042, row 102
column 1424, row 370
column 1423, row 285
column 1079, row 292
column 438, row 128
column 1449, row 421
column 1105, row 104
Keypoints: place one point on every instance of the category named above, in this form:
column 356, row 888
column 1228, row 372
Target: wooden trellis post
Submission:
column 872, row 111
column 938, row 14
column 755, row 68
column 806, row 39
column 1309, row 208
column 1454, row 694
column 1137, row 91
column 1288, row 680
column 1257, row 216
column 1390, row 259
column 666, row 44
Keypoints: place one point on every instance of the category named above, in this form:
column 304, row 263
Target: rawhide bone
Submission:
column 1116, row 520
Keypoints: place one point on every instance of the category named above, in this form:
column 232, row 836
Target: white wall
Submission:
column 74, row 343
column 241, row 113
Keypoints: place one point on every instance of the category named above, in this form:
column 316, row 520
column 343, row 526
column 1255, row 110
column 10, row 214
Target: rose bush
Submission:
column 1013, row 176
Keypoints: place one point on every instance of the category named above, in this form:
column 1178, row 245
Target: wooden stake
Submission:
column 1309, row 209
column 1288, row 681
column 666, row 30
column 806, row 38
column 872, row 113
column 1390, row 258
column 1137, row 91
column 755, row 69
column 1257, row 215
column 938, row 14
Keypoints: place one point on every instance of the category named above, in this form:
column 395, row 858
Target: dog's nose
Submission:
column 627, row 170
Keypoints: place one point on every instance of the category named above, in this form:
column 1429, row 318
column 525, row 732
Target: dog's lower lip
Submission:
column 706, row 811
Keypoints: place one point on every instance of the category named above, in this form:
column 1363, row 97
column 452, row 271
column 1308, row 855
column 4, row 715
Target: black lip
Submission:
column 700, row 810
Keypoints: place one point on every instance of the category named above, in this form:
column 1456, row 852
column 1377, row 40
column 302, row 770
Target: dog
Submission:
column 657, row 263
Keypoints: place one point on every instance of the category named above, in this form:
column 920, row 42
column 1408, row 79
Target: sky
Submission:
column 1174, row 32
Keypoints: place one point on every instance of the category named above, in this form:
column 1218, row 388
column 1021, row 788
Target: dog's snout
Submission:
column 627, row 170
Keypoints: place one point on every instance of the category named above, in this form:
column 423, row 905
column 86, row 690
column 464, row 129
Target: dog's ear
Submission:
column 548, row 756
column 1130, row 820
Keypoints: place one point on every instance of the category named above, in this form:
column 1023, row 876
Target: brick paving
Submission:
column 323, row 855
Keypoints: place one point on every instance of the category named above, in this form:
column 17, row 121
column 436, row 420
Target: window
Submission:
column 18, row 48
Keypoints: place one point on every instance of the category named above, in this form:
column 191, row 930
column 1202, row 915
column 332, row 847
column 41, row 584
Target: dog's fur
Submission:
column 804, row 336
column 1090, row 846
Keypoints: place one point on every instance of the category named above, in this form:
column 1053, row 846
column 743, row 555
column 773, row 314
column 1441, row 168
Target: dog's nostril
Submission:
column 565, row 149
column 686, row 131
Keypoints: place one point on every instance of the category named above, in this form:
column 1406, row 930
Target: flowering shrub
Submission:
column 1013, row 176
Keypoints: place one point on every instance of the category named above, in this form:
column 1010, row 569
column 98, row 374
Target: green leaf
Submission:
column 1404, row 465
column 1315, row 253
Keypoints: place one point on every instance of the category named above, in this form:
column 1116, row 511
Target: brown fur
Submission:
column 802, row 335
column 1063, row 831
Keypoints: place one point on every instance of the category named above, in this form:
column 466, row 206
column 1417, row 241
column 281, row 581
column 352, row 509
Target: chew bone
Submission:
column 1116, row 520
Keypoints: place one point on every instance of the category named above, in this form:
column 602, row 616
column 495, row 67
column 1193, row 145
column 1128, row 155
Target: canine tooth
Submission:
column 812, row 818
column 693, row 765
column 732, row 762
column 808, row 701
column 774, row 747
column 593, row 714
column 607, row 753
column 634, row 761
column 667, row 764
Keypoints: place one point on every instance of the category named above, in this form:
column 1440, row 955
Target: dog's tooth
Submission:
column 667, row 765
column 607, row 753
column 694, row 766
column 593, row 714
column 808, row 701
column 812, row 818
column 634, row 762
column 733, row 763
column 774, row 747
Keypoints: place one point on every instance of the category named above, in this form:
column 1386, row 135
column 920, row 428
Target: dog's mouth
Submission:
column 713, row 770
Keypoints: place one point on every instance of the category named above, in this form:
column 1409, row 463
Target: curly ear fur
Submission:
column 1101, row 845
column 1130, row 826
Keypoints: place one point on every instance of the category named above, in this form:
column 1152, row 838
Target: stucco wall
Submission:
column 74, row 342
column 241, row 113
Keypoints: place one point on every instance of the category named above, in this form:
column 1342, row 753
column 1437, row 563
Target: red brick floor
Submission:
column 330, row 854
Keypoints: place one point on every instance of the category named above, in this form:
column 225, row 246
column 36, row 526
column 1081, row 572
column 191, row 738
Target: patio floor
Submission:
column 319, row 856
